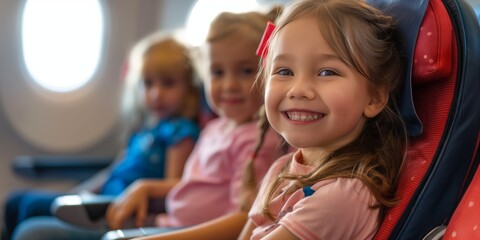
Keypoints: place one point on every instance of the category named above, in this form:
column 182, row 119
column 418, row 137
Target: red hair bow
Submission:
column 262, row 49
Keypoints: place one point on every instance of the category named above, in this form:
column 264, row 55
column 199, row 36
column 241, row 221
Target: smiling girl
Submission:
column 330, row 75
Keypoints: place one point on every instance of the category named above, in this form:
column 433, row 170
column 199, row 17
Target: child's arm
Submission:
column 247, row 230
column 176, row 157
column 226, row 227
column 279, row 233
column 134, row 201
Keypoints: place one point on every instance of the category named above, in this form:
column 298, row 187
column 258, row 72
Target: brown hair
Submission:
column 364, row 39
column 158, row 53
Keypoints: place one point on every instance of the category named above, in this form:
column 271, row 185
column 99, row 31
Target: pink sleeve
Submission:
column 338, row 210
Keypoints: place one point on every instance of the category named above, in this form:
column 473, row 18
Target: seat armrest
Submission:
column 77, row 168
column 82, row 210
column 436, row 234
column 89, row 210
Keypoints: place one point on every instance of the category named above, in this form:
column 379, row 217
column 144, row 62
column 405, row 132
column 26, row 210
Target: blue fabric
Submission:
column 308, row 191
column 409, row 28
column 21, row 205
column 145, row 156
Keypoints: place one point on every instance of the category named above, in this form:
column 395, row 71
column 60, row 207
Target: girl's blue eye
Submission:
column 327, row 73
column 284, row 72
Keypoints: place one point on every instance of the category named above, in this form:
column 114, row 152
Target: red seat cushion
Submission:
column 433, row 52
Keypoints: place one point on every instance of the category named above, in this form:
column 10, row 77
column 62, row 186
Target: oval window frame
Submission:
column 64, row 122
column 54, row 79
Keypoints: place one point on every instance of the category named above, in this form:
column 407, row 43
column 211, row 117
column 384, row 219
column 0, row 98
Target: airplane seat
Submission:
column 443, row 51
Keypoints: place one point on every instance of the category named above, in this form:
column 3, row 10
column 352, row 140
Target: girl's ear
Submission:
column 377, row 103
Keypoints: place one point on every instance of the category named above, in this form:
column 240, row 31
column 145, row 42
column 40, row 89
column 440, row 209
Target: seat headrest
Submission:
column 408, row 16
column 432, row 60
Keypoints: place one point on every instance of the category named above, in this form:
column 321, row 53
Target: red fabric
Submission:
column 433, row 52
column 465, row 222
column 432, row 101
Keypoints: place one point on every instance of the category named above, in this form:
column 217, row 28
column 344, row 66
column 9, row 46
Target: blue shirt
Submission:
column 145, row 155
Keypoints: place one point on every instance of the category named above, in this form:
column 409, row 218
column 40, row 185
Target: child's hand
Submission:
column 132, row 202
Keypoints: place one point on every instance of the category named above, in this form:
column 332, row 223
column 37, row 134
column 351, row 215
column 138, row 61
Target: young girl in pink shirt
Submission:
column 331, row 71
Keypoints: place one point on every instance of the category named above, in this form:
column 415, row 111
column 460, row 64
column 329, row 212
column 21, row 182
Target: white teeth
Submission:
column 297, row 116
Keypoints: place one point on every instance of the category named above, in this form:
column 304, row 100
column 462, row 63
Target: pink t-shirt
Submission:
column 330, row 209
column 212, row 179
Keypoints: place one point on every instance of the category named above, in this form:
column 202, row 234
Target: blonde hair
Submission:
column 248, row 26
column 364, row 39
column 159, row 53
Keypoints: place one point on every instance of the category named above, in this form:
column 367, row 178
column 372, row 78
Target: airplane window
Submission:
column 204, row 11
column 62, row 41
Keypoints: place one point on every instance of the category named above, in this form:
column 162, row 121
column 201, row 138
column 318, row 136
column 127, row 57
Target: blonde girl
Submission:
column 331, row 74
column 161, row 103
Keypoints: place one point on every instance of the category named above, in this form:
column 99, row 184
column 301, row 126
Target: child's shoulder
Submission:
column 175, row 129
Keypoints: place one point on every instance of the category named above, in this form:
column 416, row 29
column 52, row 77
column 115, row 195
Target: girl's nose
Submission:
column 230, row 82
column 155, row 92
column 301, row 88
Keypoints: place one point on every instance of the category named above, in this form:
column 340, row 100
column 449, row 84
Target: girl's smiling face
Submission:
column 314, row 99
column 232, row 72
